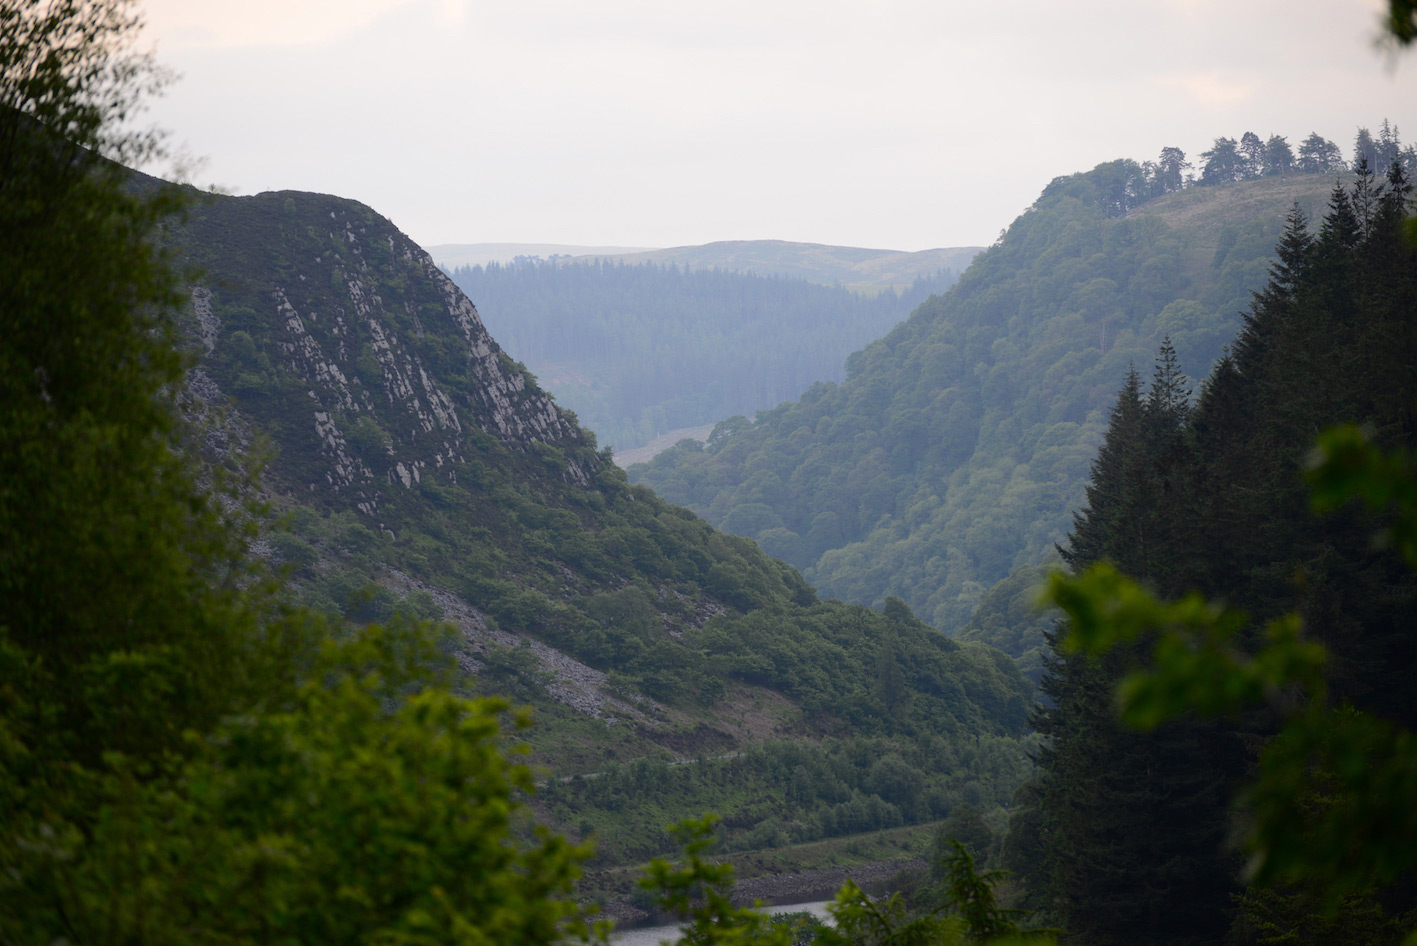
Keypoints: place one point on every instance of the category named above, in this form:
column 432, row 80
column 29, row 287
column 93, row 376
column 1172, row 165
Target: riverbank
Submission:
column 797, row 887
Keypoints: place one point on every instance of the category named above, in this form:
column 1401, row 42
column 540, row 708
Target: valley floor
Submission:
column 627, row 458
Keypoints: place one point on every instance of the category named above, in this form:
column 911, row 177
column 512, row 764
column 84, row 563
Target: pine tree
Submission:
column 1388, row 148
column 1365, row 149
column 1133, row 823
column 1171, row 168
column 1223, row 162
column 1366, row 195
column 1169, row 399
column 1318, row 155
column 1278, row 157
column 1092, row 526
column 1252, row 150
column 1293, row 250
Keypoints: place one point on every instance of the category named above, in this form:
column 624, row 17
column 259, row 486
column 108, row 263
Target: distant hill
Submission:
column 640, row 349
column 451, row 255
column 814, row 262
column 959, row 444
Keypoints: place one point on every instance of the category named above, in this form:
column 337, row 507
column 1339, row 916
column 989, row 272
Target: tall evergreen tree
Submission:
column 1331, row 339
column 1134, row 824
column 1252, row 151
column 1388, row 148
column 1278, row 156
column 1223, row 162
column 1365, row 149
column 1317, row 155
column 1093, row 525
column 1169, row 399
column 1366, row 194
column 1171, row 168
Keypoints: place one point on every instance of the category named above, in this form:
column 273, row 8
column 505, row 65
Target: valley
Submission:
column 1058, row 590
column 957, row 448
column 428, row 476
column 674, row 669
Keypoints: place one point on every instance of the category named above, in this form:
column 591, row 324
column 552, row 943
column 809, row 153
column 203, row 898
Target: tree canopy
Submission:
column 1209, row 502
column 181, row 759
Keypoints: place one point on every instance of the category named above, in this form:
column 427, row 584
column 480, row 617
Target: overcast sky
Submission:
column 893, row 124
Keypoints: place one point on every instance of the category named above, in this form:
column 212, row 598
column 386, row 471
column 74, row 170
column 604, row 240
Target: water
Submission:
column 654, row 935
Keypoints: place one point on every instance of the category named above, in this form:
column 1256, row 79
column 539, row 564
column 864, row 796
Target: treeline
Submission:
column 1126, row 185
column 953, row 451
column 1124, row 835
column 637, row 350
column 783, row 793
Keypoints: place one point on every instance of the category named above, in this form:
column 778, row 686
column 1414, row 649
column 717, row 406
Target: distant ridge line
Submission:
column 813, row 262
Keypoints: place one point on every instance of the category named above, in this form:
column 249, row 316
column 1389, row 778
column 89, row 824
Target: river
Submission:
column 654, row 935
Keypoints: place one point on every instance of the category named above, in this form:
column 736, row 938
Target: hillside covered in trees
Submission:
column 415, row 472
column 640, row 349
column 958, row 444
column 425, row 473
column 224, row 717
column 1123, row 835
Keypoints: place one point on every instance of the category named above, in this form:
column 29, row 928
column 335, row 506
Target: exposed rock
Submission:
column 571, row 682
column 352, row 332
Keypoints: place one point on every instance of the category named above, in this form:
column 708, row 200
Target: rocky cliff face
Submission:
column 369, row 367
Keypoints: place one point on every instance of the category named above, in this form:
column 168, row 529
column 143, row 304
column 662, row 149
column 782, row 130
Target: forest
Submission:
column 1127, row 829
column 949, row 457
column 295, row 530
column 295, row 552
column 640, row 349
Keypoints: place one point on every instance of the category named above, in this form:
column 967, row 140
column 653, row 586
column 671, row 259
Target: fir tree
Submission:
column 1169, row 399
column 1252, row 150
column 1331, row 339
column 1092, row 526
column 1317, row 155
column 1278, row 157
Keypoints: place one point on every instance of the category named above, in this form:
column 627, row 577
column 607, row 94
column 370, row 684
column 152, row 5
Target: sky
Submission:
column 892, row 124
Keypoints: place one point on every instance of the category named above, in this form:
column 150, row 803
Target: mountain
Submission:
column 424, row 474
column 958, row 446
column 637, row 350
column 813, row 262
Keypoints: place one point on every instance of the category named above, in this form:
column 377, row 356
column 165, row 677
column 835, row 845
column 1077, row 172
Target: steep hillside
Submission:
column 424, row 473
column 960, row 443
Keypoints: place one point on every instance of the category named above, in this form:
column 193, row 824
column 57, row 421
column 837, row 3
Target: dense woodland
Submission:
column 951, row 453
column 1124, row 835
column 948, row 458
column 1129, row 185
column 224, row 668
column 228, row 713
column 638, row 350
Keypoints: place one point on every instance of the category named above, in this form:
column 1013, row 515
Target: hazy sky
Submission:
column 894, row 123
